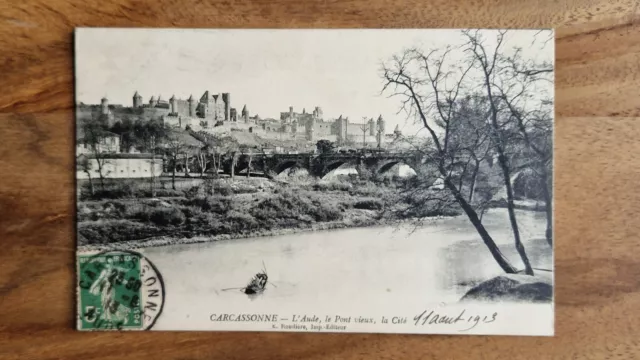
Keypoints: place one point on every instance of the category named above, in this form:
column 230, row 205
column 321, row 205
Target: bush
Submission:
column 167, row 216
column 168, row 193
column 194, row 191
column 334, row 185
column 287, row 206
column 213, row 204
column 244, row 189
column 209, row 185
column 223, row 188
column 241, row 221
column 369, row 204
column 367, row 188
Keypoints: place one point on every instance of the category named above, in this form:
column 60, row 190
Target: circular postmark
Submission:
column 118, row 290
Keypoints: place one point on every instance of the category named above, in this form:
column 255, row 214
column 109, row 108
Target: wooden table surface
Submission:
column 597, row 190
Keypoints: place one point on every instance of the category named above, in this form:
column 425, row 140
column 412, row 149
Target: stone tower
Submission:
column 341, row 125
column 153, row 102
column 192, row 106
column 290, row 114
column 372, row 127
column 319, row 112
column 137, row 100
column 381, row 130
column 173, row 102
column 309, row 127
column 226, row 98
column 245, row 114
column 104, row 106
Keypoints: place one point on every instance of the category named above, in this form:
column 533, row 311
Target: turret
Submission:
column 226, row 98
column 290, row 113
column 372, row 127
column 173, row 102
column 153, row 102
column 192, row 106
column 245, row 114
column 137, row 100
column 104, row 106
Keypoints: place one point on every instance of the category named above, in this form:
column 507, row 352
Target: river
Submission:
column 377, row 266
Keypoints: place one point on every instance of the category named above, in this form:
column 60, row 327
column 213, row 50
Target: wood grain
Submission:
column 597, row 189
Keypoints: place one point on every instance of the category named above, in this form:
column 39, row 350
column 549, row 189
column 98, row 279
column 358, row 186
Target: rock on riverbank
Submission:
column 513, row 287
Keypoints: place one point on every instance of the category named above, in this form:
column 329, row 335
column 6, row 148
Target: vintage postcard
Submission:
column 387, row 181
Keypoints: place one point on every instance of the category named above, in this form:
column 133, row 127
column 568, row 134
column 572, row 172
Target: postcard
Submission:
column 315, row 180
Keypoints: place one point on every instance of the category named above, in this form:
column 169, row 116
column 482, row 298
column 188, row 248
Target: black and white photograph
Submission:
column 315, row 180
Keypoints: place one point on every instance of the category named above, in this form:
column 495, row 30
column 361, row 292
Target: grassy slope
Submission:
column 240, row 209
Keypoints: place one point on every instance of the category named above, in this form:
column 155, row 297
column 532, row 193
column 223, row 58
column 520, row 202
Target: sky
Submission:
column 268, row 70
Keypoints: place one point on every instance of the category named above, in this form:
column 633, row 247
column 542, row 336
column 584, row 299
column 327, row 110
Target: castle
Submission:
column 215, row 111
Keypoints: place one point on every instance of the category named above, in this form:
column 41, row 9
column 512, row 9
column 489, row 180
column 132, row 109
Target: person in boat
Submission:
column 257, row 284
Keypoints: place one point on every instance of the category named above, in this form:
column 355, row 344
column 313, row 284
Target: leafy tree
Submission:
column 325, row 146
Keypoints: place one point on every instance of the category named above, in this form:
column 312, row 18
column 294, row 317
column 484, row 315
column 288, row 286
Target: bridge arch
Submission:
column 388, row 165
column 335, row 165
column 286, row 165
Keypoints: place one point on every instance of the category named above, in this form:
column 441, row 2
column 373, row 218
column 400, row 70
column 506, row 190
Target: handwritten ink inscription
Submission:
column 467, row 321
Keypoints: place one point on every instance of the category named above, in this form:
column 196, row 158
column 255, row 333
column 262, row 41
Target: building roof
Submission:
column 122, row 156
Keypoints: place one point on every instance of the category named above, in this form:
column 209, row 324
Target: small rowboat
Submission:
column 257, row 284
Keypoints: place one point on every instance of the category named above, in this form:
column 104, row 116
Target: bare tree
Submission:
column 522, row 90
column 428, row 86
column 487, row 61
column 84, row 164
column 201, row 156
column 97, row 138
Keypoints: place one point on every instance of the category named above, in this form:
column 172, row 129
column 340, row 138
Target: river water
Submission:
column 377, row 266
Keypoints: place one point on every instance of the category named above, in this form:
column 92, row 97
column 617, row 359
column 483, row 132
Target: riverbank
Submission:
column 225, row 210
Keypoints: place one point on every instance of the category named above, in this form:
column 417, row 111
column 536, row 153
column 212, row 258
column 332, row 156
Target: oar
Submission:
column 227, row 289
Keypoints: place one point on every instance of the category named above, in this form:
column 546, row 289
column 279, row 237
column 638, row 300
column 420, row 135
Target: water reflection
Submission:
column 378, row 265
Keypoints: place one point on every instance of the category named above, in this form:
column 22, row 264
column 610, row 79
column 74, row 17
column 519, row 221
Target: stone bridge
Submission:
column 320, row 165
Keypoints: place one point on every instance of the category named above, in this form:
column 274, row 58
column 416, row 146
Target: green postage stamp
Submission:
column 118, row 290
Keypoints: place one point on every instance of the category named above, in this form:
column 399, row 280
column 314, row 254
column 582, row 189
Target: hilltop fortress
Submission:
column 214, row 113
